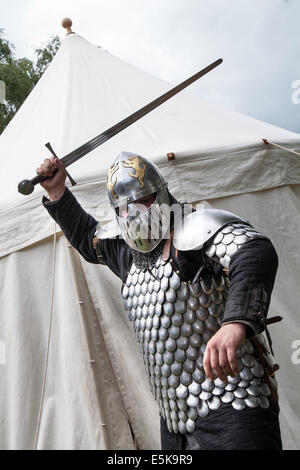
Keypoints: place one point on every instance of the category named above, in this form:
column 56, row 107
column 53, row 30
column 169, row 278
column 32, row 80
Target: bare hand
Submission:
column 220, row 353
column 54, row 185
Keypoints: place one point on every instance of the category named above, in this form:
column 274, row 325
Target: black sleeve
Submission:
column 79, row 228
column 117, row 255
column 252, row 272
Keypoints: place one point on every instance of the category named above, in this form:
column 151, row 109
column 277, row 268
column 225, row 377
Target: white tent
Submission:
column 70, row 372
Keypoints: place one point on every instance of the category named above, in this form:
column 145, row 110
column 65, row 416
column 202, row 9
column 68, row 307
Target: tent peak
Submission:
column 67, row 23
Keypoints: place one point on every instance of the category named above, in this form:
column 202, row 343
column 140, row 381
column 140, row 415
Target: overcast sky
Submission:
column 258, row 39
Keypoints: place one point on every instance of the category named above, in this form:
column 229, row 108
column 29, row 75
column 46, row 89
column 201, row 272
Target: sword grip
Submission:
column 26, row 187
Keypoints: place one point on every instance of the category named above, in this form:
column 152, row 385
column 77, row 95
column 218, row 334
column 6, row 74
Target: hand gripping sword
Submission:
column 27, row 186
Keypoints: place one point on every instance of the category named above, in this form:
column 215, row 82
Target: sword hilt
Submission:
column 26, row 187
column 49, row 147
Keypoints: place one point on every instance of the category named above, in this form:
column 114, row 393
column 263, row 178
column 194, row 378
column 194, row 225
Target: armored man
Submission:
column 197, row 287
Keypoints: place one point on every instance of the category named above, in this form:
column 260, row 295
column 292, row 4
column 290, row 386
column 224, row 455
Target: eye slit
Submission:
column 146, row 202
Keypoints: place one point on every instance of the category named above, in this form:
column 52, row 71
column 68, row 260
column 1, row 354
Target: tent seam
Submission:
column 48, row 342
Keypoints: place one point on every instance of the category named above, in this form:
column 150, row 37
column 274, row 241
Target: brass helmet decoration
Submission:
column 131, row 178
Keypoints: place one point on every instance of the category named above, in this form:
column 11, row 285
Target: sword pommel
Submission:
column 25, row 187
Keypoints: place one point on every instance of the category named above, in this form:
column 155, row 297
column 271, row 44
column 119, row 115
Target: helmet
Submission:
column 131, row 178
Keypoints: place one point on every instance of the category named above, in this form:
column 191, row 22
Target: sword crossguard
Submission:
column 49, row 147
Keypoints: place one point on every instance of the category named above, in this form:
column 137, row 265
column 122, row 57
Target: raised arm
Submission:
column 78, row 226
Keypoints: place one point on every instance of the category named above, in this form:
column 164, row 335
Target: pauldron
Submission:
column 200, row 226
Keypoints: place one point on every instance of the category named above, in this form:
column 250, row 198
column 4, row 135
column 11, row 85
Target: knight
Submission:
column 196, row 285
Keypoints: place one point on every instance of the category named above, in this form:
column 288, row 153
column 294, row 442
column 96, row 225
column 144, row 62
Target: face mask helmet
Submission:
column 142, row 224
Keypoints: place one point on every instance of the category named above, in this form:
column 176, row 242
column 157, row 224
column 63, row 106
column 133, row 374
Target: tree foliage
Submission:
column 45, row 55
column 21, row 75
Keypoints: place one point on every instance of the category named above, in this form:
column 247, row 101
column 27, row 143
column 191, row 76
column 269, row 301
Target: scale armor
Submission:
column 173, row 320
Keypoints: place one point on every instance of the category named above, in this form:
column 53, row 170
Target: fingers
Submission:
column 49, row 166
column 222, row 362
column 220, row 356
column 207, row 364
column 59, row 164
column 214, row 361
column 232, row 359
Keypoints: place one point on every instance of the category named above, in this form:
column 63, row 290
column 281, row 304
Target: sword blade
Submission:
column 120, row 126
column 27, row 186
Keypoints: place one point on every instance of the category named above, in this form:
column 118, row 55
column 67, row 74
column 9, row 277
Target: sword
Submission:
column 27, row 186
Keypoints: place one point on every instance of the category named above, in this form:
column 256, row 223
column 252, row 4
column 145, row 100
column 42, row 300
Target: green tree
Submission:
column 21, row 75
column 45, row 55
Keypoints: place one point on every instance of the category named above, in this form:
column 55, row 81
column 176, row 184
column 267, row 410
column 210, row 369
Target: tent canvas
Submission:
column 73, row 377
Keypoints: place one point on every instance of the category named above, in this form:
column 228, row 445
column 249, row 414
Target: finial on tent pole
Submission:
column 67, row 23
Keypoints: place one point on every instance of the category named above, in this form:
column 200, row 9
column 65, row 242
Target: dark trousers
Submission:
column 229, row 429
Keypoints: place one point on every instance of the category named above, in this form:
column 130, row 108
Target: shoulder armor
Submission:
column 109, row 230
column 200, row 226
